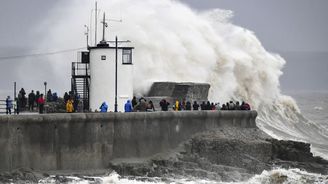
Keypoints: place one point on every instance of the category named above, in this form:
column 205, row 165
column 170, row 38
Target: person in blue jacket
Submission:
column 128, row 106
column 103, row 107
column 9, row 105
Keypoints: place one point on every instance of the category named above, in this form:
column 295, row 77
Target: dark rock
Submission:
column 230, row 154
column 21, row 176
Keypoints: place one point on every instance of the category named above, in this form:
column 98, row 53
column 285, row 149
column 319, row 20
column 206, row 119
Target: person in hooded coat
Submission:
column 134, row 101
column 203, row 106
column 69, row 106
column 9, row 105
column 195, row 106
column 188, row 106
column 128, row 106
column 164, row 105
column 103, row 107
column 208, row 106
column 177, row 105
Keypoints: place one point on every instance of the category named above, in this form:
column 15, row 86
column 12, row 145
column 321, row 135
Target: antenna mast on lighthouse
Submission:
column 96, row 12
column 104, row 25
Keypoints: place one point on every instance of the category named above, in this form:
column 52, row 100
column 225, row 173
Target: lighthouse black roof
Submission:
column 108, row 47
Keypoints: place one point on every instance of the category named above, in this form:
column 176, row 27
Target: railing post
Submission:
column 14, row 101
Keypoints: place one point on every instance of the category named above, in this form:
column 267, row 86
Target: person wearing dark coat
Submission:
column 150, row 107
column 195, row 106
column 37, row 96
column 54, row 97
column 49, row 96
column 22, row 98
column 134, row 101
column 224, row 107
column 188, row 106
column 203, row 106
column 164, row 105
column 208, row 106
column 76, row 102
column 31, row 100
column 183, row 105
column 66, row 97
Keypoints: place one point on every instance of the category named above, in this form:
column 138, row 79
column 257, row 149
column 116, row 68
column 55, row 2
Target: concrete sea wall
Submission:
column 92, row 140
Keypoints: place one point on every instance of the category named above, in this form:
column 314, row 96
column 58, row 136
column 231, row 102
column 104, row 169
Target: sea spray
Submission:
column 277, row 175
column 174, row 43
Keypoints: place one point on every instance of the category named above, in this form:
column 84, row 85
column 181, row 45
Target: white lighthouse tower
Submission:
column 111, row 70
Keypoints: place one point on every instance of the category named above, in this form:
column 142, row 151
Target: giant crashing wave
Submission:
column 175, row 43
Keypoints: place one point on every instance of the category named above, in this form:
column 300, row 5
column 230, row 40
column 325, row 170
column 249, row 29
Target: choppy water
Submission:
column 290, row 176
column 313, row 105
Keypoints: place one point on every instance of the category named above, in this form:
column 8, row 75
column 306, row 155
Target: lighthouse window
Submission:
column 127, row 56
column 103, row 57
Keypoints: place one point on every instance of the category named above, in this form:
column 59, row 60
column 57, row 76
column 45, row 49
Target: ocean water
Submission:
column 313, row 105
column 275, row 176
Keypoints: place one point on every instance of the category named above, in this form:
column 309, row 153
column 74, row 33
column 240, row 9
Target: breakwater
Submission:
column 91, row 140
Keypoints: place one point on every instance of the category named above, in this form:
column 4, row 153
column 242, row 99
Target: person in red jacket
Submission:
column 41, row 102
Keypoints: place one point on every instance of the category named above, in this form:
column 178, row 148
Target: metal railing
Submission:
column 80, row 69
column 80, row 82
column 3, row 107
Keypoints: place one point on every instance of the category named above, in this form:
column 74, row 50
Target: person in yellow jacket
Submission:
column 176, row 107
column 69, row 106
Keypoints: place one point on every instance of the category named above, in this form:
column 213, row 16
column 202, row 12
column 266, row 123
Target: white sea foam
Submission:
column 278, row 175
column 318, row 108
column 291, row 176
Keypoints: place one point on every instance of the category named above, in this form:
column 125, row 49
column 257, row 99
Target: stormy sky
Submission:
column 296, row 29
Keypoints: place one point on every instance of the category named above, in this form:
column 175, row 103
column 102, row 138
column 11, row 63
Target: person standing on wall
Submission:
column 195, row 106
column 49, row 96
column 69, row 106
column 164, row 105
column 9, row 105
column 134, row 101
column 31, row 100
column 103, row 107
column 188, row 106
column 177, row 105
column 37, row 96
column 128, row 106
column 41, row 102
column 150, row 107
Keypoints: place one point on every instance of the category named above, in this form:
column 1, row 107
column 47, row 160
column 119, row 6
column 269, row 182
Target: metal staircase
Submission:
column 80, row 82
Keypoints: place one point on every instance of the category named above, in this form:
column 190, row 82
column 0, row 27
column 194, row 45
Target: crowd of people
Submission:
column 187, row 106
column 34, row 101
column 71, row 100
column 142, row 105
